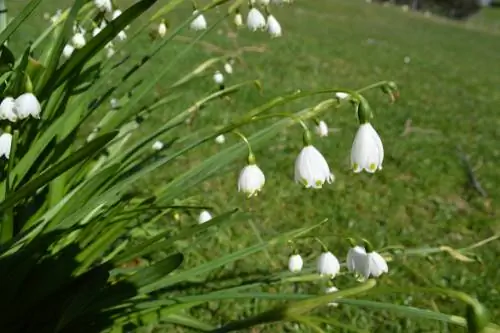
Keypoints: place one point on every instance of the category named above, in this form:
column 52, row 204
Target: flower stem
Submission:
column 7, row 225
column 251, row 156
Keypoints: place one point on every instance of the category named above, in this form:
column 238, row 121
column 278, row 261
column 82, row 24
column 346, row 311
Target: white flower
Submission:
column 27, row 105
column 78, row 40
column 341, row 95
column 5, row 144
column 356, row 259
column 328, row 264
column 115, row 14
column 103, row 5
column 162, row 29
column 205, row 216
column 264, row 2
column 295, row 263
column 122, row 35
column 322, row 129
column 251, row 180
column 199, row 23
column 367, row 151
column 157, row 145
column 114, row 103
column 311, row 169
column 407, row 60
column 56, row 16
column 375, row 265
column 96, row 31
column 273, row 26
column 220, row 139
column 330, row 290
column 110, row 51
column 228, row 68
column 7, row 109
column 218, row 77
column 68, row 50
column 255, row 20
column 238, row 19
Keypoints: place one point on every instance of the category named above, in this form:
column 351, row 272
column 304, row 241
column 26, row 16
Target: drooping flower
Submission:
column 157, row 145
column 205, row 216
column 78, row 40
column 328, row 264
column 273, row 26
column 255, row 20
column 27, row 105
column 367, row 151
column 7, row 109
column 295, row 263
column 218, row 78
column 68, row 50
column 5, row 144
column 322, row 129
column 375, row 265
column 311, row 168
column 356, row 259
column 162, row 29
column 116, row 14
column 113, row 103
column 122, row 35
column 228, row 68
column 329, row 290
column 103, row 5
column 220, row 139
column 199, row 23
column 251, row 180
column 56, row 16
column 238, row 19
column 341, row 95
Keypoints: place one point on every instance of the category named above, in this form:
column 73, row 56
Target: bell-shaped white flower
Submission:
column 356, row 259
column 330, row 290
column 96, row 31
column 251, row 180
column 162, row 29
column 218, row 78
column 375, row 265
column 116, row 14
column 367, row 151
column 5, row 144
column 238, row 19
column 273, row 26
column 295, row 263
column 157, row 145
column 27, row 105
column 110, row 51
column 68, row 50
column 7, row 109
column 113, row 102
column 199, row 23
column 228, row 68
column 78, row 40
column 255, row 20
column 205, row 216
column 322, row 129
column 122, row 35
column 220, row 139
column 341, row 95
column 328, row 264
column 103, row 5
column 311, row 168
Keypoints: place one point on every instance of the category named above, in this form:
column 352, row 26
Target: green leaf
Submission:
column 159, row 270
column 18, row 20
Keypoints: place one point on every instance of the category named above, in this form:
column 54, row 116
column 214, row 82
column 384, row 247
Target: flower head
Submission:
column 328, row 264
column 273, row 26
column 238, row 19
column 199, row 23
column 157, row 145
column 103, row 5
column 122, row 35
column 311, row 168
column 7, row 109
column 375, row 265
column 329, row 290
column 162, row 29
column 251, row 180
column 78, row 40
column 5, row 144
column 218, row 77
column 322, row 129
column 116, row 14
column 255, row 20
column 356, row 259
column 295, row 263
column 220, row 139
column 96, row 31
column 228, row 68
column 367, row 151
column 341, row 95
column 27, row 105
column 205, row 216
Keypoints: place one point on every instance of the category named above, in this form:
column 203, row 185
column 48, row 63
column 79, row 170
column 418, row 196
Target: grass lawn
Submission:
column 449, row 98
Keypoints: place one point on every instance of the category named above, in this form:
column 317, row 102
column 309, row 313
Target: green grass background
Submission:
column 450, row 93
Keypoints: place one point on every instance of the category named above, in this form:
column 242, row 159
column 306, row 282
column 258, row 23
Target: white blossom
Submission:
column 264, row 2
column 122, row 35
column 238, row 19
column 78, row 40
column 157, row 145
column 68, row 50
column 220, row 139
column 251, row 180
column 322, row 129
column 295, row 263
column 329, row 290
column 218, row 77
column 328, row 264
column 273, row 26
column 162, row 29
column 205, row 216
column 56, row 16
column 114, row 103
column 27, row 105
column 199, row 23
column 116, row 14
column 375, row 265
column 255, row 20
column 341, row 95
column 103, row 5
column 311, row 168
column 356, row 259
column 5, row 144
column 7, row 109
column 367, row 151
column 228, row 68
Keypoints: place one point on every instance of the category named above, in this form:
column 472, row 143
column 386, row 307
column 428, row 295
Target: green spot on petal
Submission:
column 373, row 166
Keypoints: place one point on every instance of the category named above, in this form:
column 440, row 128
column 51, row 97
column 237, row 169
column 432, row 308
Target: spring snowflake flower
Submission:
column 205, row 216
column 238, row 19
column 311, row 168
column 341, row 95
column 220, row 139
column 113, row 103
column 199, row 23
column 78, row 40
column 375, row 265
column 96, row 31
column 329, row 290
column 116, row 14
column 322, row 129
column 122, row 35
column 27, row 105
column 162, row 29
column 110, row 49
column 228, row 68
column 103, row 5
column 218, row 78
column 7, row 109
column 255, row 20
column 295, row 263
column 68, row 50
column 157, row 145
column 251, row 180
column 56, row 16
column 367, row 151
column 328, row 264
column 356, row 259
column 273, row 26
column 5, row 144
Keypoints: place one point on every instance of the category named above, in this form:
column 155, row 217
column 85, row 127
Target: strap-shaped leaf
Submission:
column 18, row 20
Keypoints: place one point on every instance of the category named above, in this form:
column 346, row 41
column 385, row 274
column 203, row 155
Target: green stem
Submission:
column 251, row 157
column 324, row 248
column 7, row 225
column 3, row 16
